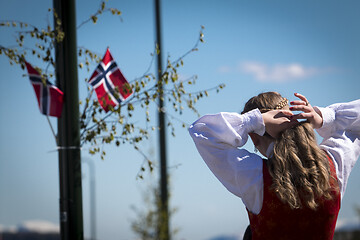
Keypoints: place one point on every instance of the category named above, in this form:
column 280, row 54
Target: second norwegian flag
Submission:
column 110, row 85
column 50, row 98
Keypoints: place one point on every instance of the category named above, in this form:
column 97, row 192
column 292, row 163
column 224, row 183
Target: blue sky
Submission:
column 311, row 47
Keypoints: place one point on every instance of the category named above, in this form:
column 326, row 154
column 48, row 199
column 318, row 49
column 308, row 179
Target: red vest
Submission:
column 277, row 220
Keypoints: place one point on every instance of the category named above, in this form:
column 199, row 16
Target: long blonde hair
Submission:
column 299, row 168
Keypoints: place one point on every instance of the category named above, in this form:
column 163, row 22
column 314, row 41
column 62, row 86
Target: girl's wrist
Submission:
column 321, row 122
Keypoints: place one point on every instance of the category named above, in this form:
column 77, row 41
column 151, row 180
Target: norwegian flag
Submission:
column 110, row 85
column 50, row 98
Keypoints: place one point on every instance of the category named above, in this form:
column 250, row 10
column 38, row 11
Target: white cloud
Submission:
column 277, row 72
column 274, row 73
column 39, row 226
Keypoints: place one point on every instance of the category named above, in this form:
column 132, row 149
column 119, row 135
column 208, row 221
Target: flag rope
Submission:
column 52, row 130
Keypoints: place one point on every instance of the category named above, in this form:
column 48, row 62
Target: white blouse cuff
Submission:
column 328, row 116
column 254, row 121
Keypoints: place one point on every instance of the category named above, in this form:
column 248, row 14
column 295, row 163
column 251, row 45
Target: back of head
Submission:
column 298, row 164
column 265, row 102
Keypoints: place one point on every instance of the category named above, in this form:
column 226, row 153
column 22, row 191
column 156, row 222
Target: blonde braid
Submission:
column 279, row 106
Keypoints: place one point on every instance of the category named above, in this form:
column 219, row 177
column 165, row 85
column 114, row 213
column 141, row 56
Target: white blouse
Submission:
column 219, row 138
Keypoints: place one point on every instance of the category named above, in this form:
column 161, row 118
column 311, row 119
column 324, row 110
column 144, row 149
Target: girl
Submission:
column 295, row 193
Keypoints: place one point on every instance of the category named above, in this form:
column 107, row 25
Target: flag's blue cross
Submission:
column 102, row 75
column 44, row 93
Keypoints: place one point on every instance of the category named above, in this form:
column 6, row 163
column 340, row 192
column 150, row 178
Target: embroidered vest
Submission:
column 277, row 220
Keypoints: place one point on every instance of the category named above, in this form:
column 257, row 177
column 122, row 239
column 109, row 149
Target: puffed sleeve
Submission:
column 341, row 137
column 218, row 139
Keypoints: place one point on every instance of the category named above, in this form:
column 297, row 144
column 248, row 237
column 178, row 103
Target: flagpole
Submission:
column 163, row 228
column 71, row 212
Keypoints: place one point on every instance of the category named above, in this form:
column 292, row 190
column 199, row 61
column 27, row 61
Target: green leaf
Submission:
column 130, row 107
column 94, row 18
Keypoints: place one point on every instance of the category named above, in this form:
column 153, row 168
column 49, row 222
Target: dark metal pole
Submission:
column 71, row 213
column 163, row 230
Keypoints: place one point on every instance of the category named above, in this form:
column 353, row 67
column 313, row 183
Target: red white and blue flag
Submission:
column 49, row 97
column 109, row 83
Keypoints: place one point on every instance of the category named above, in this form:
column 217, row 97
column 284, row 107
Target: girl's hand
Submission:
column 277, row 120
column 308, row 112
